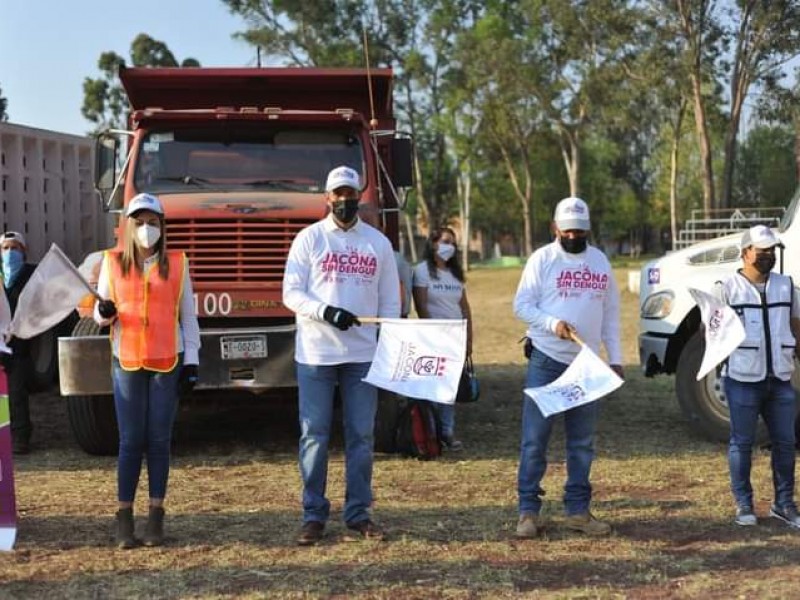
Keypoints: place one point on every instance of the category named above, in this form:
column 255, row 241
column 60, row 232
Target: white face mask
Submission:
column 445, row 251
column 147, row 235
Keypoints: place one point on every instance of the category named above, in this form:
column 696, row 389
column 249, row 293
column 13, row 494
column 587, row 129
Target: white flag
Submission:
column 420, row 358
column 5, row 323
column 585, row 380
column 52, row 292
column 724, row 330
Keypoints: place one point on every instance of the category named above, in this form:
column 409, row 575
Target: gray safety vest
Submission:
column 768, row 348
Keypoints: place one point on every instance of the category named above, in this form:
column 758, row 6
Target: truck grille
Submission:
column 235, row 250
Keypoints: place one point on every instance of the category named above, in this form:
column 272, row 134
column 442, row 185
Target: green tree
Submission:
column 3, row 107
column 765, row 172
column 765, row 35
column 415, row 38
column 104, row 101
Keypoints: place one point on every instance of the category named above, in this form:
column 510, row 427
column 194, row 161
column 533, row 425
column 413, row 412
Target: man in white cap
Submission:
column 18, row 367
column 338, row 269
column 757, row 376
column 566, row 289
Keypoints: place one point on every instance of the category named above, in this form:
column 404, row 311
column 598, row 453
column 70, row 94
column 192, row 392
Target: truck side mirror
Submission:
column 105, row 173
column 106, row 158
column 402, row 164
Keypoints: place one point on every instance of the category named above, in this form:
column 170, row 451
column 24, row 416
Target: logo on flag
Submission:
column 724, row 330
column 587, row 379
column 420, row 358
column 430, row 365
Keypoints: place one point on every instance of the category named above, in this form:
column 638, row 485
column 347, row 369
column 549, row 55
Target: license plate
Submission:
column 243, row 346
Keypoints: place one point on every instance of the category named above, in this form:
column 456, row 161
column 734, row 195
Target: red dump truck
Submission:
column 238, row 158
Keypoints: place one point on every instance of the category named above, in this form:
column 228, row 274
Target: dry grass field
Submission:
column 233, row 505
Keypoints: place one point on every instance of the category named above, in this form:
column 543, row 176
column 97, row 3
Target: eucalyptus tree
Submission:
column 576, row 51
column 104, row 101
column 412, row 36
column 494, row 75
column 765, row 36
column 697, row 24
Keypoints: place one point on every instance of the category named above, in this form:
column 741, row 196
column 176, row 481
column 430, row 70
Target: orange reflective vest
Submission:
column 148, row 311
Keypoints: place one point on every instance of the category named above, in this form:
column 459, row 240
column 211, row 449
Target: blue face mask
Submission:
column 13, row 260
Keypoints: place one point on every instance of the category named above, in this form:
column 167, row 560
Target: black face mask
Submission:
column 573, row 245
column 345, row 210
column 764, row 263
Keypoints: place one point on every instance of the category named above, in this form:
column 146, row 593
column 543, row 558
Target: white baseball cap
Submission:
column 14, row 236
column 144, row 202
column 572, row 213
column 343, row 177
column 759, row 236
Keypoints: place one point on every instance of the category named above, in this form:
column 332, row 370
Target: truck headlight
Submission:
column 658, row 305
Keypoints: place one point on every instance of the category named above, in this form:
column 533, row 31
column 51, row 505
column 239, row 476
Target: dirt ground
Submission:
column 234, row 504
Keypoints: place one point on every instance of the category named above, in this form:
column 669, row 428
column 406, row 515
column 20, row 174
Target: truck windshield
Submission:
column 243, row 158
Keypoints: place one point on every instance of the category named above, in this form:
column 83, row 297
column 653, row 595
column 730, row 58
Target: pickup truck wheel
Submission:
column 386, row 421
column 703, row 402
column 92, row 418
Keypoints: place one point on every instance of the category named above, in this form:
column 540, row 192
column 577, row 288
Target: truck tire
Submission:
column 703, row 402
column 44, row 354
column 92, row 418
column 44, row 361
column 386, row 421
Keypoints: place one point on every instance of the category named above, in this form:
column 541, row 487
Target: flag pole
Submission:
column 576, row 338
column 65, row 259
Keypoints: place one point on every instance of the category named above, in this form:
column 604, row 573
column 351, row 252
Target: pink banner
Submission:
column 8, row 507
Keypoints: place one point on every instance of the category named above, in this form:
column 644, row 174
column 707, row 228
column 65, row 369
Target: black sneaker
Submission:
column 311, row 533
column 788, row 514
column 745, row 516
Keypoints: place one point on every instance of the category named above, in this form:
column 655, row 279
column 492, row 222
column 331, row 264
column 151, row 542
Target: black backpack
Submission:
column 418, row 431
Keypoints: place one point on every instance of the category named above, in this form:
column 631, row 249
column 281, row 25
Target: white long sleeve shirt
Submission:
column 353, row 269
column 576, row 288
column 189, row 338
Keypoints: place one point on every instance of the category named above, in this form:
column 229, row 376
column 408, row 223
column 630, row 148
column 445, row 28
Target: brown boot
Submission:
column 154, row 531
column 124, row 536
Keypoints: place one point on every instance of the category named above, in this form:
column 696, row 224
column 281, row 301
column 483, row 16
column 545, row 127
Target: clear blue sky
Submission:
column 48, row 47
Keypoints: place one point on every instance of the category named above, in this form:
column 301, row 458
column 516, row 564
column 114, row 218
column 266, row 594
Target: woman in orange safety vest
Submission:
column 155, row 339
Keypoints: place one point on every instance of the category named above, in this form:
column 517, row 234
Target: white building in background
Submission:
column 47, row 193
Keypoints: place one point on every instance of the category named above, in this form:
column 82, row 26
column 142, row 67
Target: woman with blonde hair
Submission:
column 155, row 339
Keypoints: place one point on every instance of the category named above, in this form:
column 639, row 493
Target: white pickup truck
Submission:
column 670, row 338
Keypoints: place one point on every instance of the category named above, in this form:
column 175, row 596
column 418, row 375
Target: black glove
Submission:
column 340, row 318
column 5, row 361
column 106, row 308
column 188, row 379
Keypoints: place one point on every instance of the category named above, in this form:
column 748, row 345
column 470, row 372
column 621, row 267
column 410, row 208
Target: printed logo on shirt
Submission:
column 581, row 279
column 352, row 264
column 445, row 287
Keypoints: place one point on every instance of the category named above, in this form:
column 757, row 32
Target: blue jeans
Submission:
column 447, row 418
column 146, row 403
column 359, row 404
column 774, row 400
column 579, row 427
